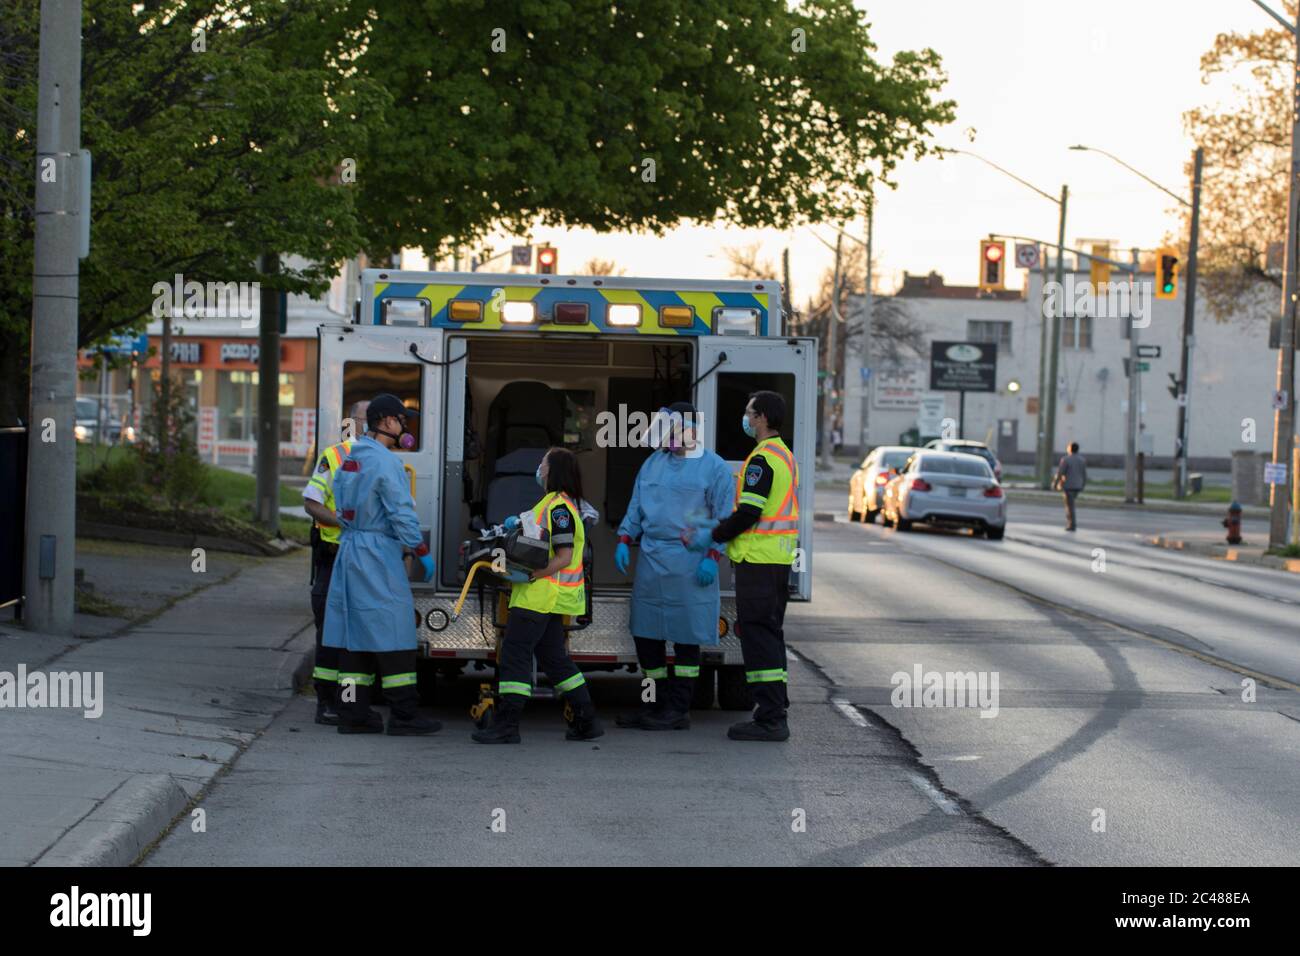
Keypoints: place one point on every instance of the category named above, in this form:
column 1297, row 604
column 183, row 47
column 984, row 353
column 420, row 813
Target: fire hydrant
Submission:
column 1233, row 523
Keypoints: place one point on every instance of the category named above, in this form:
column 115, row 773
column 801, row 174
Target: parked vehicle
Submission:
column 89, row 420
column 968, row 447
column 868, row 482
column 946, row 489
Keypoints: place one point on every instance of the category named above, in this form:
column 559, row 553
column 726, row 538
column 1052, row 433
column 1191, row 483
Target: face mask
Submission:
column 746, row 426
column 541, row 482
column 404, row 439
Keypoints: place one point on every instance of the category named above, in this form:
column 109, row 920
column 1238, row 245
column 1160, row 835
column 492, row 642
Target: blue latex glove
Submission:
column 511, row 522
column 516, row 575
column 707, row 572
column 701, row 539
column 426, row 562
column 622, row 555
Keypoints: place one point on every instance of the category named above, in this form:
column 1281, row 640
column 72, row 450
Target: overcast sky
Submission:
column 1030, row 77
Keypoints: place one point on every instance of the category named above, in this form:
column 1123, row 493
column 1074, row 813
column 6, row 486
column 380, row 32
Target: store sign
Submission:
column 898, row 387
column 929, row 419
column 963, row 366
column 240, row 352
column 190, row 353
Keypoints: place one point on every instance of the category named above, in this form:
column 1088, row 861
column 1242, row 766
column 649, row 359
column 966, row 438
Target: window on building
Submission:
column 1076, row 332
column 237, row 405
column 999, row 333
column 362, row 381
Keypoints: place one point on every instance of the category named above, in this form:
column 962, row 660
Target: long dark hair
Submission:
column 563, row 474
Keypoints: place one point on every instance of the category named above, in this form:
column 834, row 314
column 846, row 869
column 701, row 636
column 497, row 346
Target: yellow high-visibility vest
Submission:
column 563, row 592
column 332, row 457
column 774, row 538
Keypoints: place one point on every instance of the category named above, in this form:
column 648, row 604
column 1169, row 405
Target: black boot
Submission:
column 772, row 730
column 636, row 720
column 326, row 713
column 769, row 721
column 584, row 725
column 676, row 713
column 504, row 728
column 404, row 719
column 371, row 723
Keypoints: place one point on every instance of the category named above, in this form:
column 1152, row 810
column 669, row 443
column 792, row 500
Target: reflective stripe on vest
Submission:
column 773, row 537
column 563, row 591
column 334, row 456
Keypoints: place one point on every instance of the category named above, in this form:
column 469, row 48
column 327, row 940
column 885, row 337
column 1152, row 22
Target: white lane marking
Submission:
column 935, row 796
column 965, row 757
column 849, row 711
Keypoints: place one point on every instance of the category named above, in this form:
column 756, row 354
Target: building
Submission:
column 215, row 360
column 1232, row 377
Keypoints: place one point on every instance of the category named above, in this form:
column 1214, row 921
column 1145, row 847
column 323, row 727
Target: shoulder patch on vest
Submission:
column 752, row 474
column 323, row 467
column 561, row 518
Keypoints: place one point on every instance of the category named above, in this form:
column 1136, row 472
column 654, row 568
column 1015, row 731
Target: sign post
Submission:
column 963, row 367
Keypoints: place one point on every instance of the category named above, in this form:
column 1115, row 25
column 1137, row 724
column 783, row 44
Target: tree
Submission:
column 602, row 267
column 631, row 116
column 1247, row 169
column 216, row 137
column 745, row 263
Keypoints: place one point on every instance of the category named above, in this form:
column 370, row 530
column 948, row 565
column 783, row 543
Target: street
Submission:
column 1120, row 738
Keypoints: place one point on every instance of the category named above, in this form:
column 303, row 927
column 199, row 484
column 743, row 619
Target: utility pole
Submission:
column 868, row 303
column 1041, row 460
column 50, row 548
column 1189, row 324
column 829, row 382
column 787, row 296
column 1049, row 437
column 1284, row 417
column 1134, row 396
column 268, row 401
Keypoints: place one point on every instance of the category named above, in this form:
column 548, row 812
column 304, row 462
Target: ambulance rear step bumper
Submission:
column 605, row 642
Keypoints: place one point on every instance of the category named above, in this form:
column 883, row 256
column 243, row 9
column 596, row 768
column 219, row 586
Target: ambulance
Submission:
column 502, row 367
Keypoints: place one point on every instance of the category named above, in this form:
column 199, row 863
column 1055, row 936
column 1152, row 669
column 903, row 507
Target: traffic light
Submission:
column 1174, row 386
column 546, row 260
column 1099, row 272
column 1167, row 273
column 993, row 265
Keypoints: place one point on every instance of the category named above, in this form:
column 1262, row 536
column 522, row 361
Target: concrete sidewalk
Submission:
column 184, row 692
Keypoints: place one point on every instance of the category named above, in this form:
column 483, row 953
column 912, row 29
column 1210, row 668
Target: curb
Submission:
column 1223, row 552
column 1119, row 504
column 117, row 831
column 274, row 547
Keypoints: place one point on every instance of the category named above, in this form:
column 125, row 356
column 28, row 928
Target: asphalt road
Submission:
column 1120, row 737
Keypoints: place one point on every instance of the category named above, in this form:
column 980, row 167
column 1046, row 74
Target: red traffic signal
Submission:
column 546, row 260
column 993, row 266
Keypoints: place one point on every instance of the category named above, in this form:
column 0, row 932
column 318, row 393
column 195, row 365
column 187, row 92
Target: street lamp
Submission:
column 1189, row 306
column 1049, row 355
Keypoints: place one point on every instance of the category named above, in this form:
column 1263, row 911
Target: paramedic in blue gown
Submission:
column 369, row 612
column 675, row 591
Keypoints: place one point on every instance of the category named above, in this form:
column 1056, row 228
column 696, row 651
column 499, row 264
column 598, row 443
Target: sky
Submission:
column 1030, row 78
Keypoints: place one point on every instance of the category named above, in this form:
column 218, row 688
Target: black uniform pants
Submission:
column 653, row 657
column 325, row 675
column 762, row 591
column 394, row 671
column 530, row 633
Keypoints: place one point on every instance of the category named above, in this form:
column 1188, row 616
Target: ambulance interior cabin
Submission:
column 524, row 396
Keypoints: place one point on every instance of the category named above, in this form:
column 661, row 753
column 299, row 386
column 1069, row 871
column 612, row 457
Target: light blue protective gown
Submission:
column 672, row 493
column 369, row 607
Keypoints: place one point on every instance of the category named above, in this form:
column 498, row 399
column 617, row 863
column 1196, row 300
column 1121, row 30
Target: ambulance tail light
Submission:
column 465, row 310
column 570, row 313
column 735, row 321
column 676, row 316
column 398, row 311
column 519, row 313
column 623, row 314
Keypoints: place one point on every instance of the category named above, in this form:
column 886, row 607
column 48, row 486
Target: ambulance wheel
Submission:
column 703, row 697
column 426, row 680
column 733, row 691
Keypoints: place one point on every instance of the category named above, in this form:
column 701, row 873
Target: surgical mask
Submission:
column 746, row 426
column 541, row 482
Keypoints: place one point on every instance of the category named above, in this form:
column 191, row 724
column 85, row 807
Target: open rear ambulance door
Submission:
column 730, row 369
column 358, row 362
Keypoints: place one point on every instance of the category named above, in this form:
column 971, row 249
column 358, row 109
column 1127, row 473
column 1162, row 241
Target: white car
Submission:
column 867, row 485
column 946, row 489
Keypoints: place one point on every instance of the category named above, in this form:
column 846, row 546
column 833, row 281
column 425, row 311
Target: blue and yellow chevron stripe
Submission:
column 595, row 299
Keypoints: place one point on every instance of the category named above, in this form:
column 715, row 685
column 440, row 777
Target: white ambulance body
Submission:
column 503, row 367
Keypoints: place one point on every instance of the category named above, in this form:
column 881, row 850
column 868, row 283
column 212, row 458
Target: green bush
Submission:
column 168, row 456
